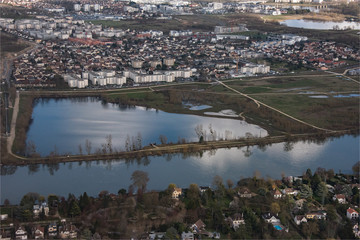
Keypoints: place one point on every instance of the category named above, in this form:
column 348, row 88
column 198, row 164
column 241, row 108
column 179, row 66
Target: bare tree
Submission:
column 109, row 143
column 80, row 149
column 139, row 141
column 31, row 149
column 163, row 139
column 88, row 146
column 199, row 131
column 127, row 143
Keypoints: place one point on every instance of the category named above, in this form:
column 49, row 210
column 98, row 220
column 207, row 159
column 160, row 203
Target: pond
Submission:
column 321, row 25
column 64, row 124
column 339, row 154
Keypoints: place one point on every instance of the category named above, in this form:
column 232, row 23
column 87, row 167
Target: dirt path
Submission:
column 258, row 103
column 11, row 137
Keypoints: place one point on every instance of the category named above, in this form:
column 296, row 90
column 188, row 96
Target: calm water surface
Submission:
column 321, row 25
column 339, row 154
column 64, row 124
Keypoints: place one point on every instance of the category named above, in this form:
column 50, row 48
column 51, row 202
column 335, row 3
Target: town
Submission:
column 319, row 205
column 68, row 49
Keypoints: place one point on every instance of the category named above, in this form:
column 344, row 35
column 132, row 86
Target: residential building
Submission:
column 352, row 214
column 300, row 219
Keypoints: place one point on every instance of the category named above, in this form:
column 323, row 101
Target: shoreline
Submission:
column 192, row 147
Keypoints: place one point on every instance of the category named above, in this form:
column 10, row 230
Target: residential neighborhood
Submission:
column 188, row 213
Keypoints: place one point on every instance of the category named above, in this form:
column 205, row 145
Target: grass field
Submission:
column 10, row 44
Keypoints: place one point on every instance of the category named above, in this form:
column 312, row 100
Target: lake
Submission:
column 66, row 123
column 320, row 25
column 293, row 159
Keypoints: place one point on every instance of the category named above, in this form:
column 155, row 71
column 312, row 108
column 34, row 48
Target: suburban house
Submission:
column 52, row 229
column 39, row 232
column 290, row 191
column 187, row 236
column 68, row 231
column 21, row 233
column 352, row 214
column 176, row 193
column 340, row 198
column 203, row 189
column 245, row 193
column 316, row 215
column 300, row 219
column 38, row 208
column 277, row 194
column 356, row 230
column 236, row 220
column 198, row 226
column 270, row 218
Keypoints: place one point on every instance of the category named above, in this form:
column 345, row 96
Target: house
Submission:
column 20, row 233
column 277, row 194
column 198, row 226
column 352, row 214
column 244, row 193
column 340, row 198
column 356, row 230
column 290, row 191
column 236, row 220
column 5, row 234
column 176, row 193
column 68, row 232
column 39, row 232
column 270, row 218
column 187, row 236
column 156, row 235
column 52, row 229
column 204, row 189
column 300, row 219
column 316, row 215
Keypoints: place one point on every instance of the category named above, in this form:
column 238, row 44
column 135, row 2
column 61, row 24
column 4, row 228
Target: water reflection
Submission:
column 80, row 119
column 289, row 158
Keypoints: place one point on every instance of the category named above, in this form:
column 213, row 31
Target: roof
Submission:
column 200, row 224
column 351, row 211
column 338, row 196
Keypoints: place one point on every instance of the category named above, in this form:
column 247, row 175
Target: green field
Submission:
column 10, row 44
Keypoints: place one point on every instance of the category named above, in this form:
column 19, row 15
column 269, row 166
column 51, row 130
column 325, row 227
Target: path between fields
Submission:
column 258, row 103
column 11, row 137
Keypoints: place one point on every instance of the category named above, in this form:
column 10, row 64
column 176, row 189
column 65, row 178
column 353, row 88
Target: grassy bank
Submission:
column 184, row 148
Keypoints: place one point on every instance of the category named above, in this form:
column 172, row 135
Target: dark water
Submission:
column 339, row 154
column 65, row 123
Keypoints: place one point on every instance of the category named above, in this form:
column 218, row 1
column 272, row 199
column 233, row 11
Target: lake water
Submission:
column 66, row 123
column 321, row 25
column 339, row 154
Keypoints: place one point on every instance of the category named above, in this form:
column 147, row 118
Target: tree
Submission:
column 140, row 180
column 88, row 146
column 305, row 191
column 274, row 208
column 310, row 228
column 109, row 143
column 321, row 191
column 74, row 209
column 199, row 131
column 80, row 149
column 193, row 196
column 127, row 143
column 230, row 183
column 163, row 139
